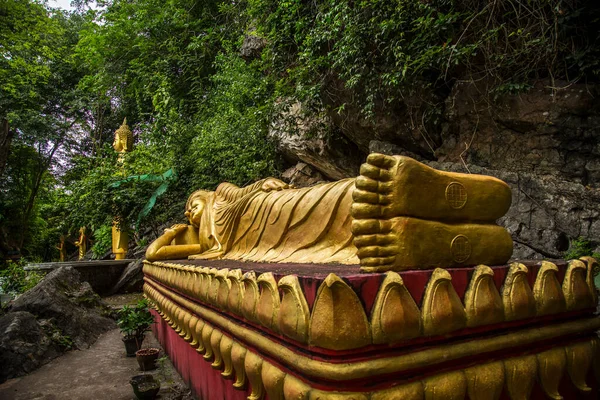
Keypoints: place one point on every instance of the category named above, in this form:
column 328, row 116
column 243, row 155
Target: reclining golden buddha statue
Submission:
column 398, row 214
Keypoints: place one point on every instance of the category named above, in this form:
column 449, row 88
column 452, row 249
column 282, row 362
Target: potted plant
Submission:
column 146, row 358
column 133, row 322
column 145, row 387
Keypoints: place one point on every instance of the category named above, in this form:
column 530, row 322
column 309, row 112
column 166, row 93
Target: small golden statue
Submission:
column 62, row 249
column 81, row 243
column 120, row 241
column 123, row 142
column 398, row 214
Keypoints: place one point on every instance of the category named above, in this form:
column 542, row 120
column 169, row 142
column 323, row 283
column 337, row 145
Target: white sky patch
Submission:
column 64, row 4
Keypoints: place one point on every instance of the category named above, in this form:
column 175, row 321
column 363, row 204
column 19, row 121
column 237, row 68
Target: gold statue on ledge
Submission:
column 81, row 243
column 398, row 214
column 62, row 249
column 120, row 240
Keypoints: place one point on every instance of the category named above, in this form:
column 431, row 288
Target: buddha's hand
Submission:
column 175, row 229
column 273, row 184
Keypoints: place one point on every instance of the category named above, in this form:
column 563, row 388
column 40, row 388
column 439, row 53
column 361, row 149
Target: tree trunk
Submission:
column 5, row 139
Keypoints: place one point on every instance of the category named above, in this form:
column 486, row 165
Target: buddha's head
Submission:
column 195, row 206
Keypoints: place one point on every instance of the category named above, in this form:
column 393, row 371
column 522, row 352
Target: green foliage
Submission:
column 382, row 54
column 231, row 141
column 90, row 197
column 134, row 320
column 102, row 240
column 30, row 42
column 15, row 280
column 39, row 102
column 581, row 247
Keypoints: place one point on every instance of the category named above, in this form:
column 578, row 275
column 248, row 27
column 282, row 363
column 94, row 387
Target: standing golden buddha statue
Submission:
column 398, row 214
column 122, row 144
column 81, row 243
column 62, row 249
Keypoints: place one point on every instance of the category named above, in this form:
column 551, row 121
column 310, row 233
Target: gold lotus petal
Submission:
column 238, row 358
column 223, row 290
column 294, row 316
column 448, row 386
column 273, row 378
column 198, row 335
column 549, row 298
column 213, row 289
column 520, row 373
column 575, row 288
column 215, row 344
column 267, row 308
column 409, row 391
column 483, row 304
column 236, row 291
column 442, row 310
column 517, row 296
column 485, row 382
column 579, row 361
column 294, row 388
column 192, row 331
column 551, row 367
column 592, row 268
column 395, row 314
column 338, row 320
column 250, row 296
column 207, row 331
column 226, row 345
column 253, row 365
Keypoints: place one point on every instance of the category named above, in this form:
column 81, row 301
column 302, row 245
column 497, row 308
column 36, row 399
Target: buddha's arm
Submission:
column 162, row 249
column 230, row 192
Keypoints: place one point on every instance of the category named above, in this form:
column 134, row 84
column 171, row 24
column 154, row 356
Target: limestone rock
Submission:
column 24, row 345
column 69, row 304
column 252, row 46
column 132, row 278
column 545, row 131
column 306, row 138
column 302, row 175
column 377, row 146
column 402, row 122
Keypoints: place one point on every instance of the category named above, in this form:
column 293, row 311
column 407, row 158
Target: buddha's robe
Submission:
column 292, row 225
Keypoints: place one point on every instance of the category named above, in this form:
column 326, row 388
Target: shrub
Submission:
column 102, row 240
column 15, row 280
column 134, row 321
column 581, row 247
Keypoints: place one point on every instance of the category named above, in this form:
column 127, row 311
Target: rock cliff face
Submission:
column 544, row 143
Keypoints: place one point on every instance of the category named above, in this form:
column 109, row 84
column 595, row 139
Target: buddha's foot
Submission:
column 408, row 215
column 392, row 186
column 412, row 243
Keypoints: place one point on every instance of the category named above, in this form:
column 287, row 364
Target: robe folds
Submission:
column 293, row 225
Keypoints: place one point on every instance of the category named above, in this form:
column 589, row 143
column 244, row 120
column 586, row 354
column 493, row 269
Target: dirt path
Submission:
column 101, row 372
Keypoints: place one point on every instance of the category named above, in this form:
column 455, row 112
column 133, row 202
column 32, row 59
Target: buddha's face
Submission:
column 194, row 211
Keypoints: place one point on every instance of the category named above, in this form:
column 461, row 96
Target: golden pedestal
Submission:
column 293, row 331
